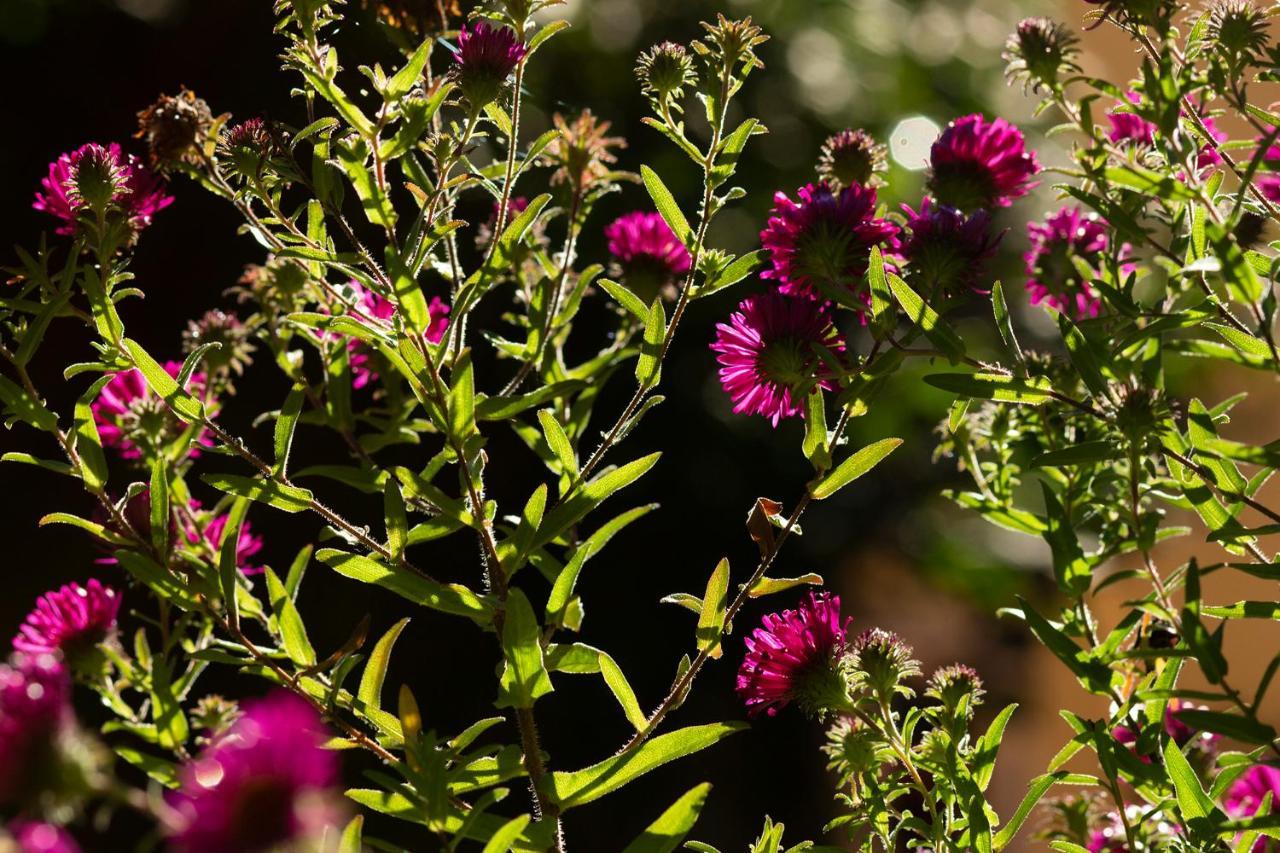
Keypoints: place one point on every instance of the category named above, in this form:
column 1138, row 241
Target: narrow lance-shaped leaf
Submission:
column 853, row 468
column 375, row 671
column 286, row 424
column 665, row 834
column 228, row 558
column 159, row 500
column 558, row 442
column 524, row 676
column 579, row 787
column 292, row 631
column 93, row 463
column 667, row 207
column 397, row 520
column 711, row 618
column 183, row 404
column 649, row 365
column 622, row 691
column 278, row 495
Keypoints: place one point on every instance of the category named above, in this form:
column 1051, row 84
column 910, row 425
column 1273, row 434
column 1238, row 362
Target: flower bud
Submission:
column 854, row 749
column 251, row 145
column 881, row 662
column 958, row 688
column 664, row 70
column 1138, row 412
column 98, row 178
column 214, row 714
column 219, row 327
column 851, row 157
column 1039, row 52
column 1238, row 32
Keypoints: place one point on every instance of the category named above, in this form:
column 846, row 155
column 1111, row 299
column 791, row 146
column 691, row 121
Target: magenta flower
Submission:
column 1109, row 838
column 1052, row 278
column 34, row 710
column 377, row 307
column 977, row 163
column 69, row 621
column 824, row 238
column 769, row 353
column 264, row 784
column 1244, row 797
column 947, row 251
column 138, row 193
column 247, row 546
column 1128, row 127
column 35, row 837
column 485, row 58
column 131, row 417
column 794, row 655
column 1175, row 727
column 646, row 252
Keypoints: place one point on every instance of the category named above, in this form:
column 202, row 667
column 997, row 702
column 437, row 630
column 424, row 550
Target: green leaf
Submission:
column 351, row 839
column 853, row 467
column 666, row 833
column 447, row 598
column 649, row 365
column 462, row 399
column 624, row 297
column 286, row 423
column 1004, row 324
column 228, row 558
column 93, row 463
column 918, row 311
column 400, row 84
column 1084, row 453
column 815, row 446
column 1149, row 182
column 524, row 677
column 591, row 495
column 622, row 691
column 159, row 500
column 1194, row 804
column 665, row 202
column 1082, row 356
column 397, row 521
column 731, row 274
column 166, row 711
column 375, row 671
column 993, row 386
column 21, row 405
column 565, row 582
column 769, row 586
column 1070, row 568
column 282, row 497
column 183, row 404
column 1036, row 790
column 1244, row 342
column 558, row 442
column 579, row 787
column 711, row 617
column 985, row 750
column 292, row 631
column 507, row 835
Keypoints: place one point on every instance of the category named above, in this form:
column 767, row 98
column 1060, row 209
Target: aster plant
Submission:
column 411, row 337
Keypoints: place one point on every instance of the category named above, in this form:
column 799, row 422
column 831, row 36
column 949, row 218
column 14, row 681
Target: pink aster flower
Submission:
column 1244, row 797
column 947, row 251
column 248, row 545
column 485, row 58
column 769, row 356
column 378, row 307
column 36, row 837
column 977, row 163
column 1052, row 278
column 264, row 784
column 34, row 711
column 69, row 621
column 1108, row 838
column 647, row 254
column 824, row 238
column 794, row 655
column 1129, row 127
column 131, row 417
column 137, row 192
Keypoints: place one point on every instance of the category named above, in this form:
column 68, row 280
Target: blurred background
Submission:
column 898, row 554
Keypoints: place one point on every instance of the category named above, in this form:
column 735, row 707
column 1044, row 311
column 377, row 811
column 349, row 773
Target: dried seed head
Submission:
column 176, row 129
column 219, row 327
column 1039, row 52
column 582, row 152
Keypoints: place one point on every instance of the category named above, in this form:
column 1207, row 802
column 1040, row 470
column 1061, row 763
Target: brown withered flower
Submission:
column 582, row 152
column 176, row 129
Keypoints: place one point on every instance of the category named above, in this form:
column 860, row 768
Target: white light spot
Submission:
column 910, row 142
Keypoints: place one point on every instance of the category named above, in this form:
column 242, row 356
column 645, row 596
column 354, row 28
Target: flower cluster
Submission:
column 87, row 186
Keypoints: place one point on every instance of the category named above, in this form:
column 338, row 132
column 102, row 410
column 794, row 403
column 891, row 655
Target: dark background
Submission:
column 78, row 71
